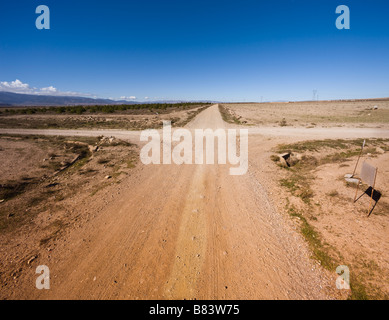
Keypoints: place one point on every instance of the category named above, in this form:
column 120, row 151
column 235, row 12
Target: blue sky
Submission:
column 190, row 50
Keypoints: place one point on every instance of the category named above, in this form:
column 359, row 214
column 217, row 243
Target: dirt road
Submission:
column 184, row 232
column 133, row 136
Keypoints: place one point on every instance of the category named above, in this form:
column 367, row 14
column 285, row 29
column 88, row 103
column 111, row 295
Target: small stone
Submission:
column 93, row 148
column 31, row 259
column 108, row 177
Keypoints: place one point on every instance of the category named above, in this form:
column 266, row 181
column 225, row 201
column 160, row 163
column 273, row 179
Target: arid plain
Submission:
column 75, row 197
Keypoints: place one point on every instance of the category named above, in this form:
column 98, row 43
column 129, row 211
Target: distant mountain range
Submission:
column 18, row 99
column 11, row 99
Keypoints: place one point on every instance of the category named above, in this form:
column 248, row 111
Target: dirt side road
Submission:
column 183, row 232
column 290, row 132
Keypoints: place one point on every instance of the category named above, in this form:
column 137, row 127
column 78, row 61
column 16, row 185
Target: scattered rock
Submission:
column 298, row 193
column 10, row 215
column 378, row 149
column 284, row 159
column 293, row 160
column 93, row 148
column 297, row 156
column 108, row 177
column 51, row 185
column 31, row 259
column 66, row 164
column 352, row 180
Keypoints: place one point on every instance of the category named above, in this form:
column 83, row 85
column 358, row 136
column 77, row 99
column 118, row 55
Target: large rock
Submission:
column 289, row 159
column 93, row 148
column 352, row 180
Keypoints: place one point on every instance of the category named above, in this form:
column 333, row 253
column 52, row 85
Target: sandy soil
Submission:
column 360, row 240
column 311, row 114
column 181, row 232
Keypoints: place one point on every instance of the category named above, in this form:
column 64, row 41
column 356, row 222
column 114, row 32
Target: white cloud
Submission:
column 127, row 98
column 50, row 89
column 15, row 86
column 18, row 86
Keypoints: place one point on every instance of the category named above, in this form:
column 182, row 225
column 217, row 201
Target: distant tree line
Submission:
column 101, row 108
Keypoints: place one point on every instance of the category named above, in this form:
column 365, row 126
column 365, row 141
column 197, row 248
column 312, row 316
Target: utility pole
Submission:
column 314, row 94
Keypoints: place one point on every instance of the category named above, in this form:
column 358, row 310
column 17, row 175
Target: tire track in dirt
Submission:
column 191, row 242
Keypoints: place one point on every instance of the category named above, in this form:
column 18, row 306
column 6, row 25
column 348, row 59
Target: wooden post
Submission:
column 360, row 153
